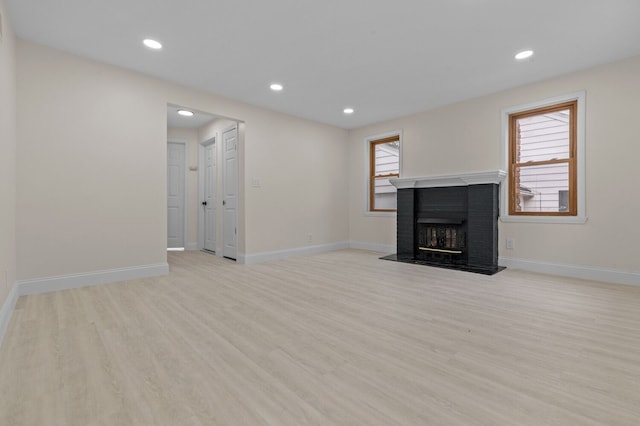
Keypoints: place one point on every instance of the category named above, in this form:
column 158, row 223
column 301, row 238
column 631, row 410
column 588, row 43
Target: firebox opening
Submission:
column 441, row 240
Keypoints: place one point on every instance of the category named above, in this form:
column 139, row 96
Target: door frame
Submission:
column 235, row 126
column 201, row 178
column 185, row 207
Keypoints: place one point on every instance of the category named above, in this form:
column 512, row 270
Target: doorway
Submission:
column 211, row 201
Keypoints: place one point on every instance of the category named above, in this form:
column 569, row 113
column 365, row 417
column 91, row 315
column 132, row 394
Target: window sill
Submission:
column 545, row 219
column 380, row 214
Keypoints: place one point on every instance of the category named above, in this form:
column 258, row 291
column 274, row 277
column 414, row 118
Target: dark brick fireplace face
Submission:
column 454, row 227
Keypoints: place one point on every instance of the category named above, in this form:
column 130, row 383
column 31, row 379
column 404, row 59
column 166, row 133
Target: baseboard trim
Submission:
column 65, row 282
column 269, row 256
column 7, row 310
column 574, row 271
column 382, row 248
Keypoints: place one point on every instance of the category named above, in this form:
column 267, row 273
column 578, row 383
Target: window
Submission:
column 384, row 163
column 542, row 146
column 545, row 159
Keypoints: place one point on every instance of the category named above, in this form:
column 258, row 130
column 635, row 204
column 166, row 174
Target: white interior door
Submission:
column 230, row 190
column 209, row 202
column 175, row 195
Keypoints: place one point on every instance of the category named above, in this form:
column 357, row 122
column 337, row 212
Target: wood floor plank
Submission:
column 340, row 338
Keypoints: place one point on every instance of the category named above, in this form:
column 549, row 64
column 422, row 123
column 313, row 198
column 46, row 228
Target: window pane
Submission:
column 542, row 188
column 387, row 158
column 543, row 137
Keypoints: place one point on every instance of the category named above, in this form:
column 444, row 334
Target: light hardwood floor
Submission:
column 338, row 338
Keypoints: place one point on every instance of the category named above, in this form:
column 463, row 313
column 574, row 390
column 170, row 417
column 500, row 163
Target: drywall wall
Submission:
column 92, row 168
column 466, row 137
column 303, row 183
column 7, row 159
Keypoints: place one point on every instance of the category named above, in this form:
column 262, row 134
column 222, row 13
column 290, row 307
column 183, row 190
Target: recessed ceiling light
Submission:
column 276, row 87
column 185, row 112
column 348, row 110
column 152, row 44
column 524, row 54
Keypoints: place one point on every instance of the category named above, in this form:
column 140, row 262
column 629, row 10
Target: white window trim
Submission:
column 581, row 217
column 367, row 144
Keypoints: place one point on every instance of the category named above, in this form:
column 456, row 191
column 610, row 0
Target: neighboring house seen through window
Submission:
column 384, row 163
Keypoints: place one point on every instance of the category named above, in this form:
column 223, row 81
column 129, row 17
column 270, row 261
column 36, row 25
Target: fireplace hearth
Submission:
column 449, row 221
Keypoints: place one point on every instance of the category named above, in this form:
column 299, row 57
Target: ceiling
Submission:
column 197, row 120
column 385, row 59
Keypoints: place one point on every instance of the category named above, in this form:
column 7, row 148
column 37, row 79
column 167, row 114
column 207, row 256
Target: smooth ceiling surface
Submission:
column 386, row 59
column 197, row 120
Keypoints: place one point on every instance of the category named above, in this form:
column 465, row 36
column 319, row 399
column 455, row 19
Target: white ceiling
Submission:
column 197, row 120
column 384, row 58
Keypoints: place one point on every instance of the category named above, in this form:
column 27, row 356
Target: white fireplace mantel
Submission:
column 460, row 179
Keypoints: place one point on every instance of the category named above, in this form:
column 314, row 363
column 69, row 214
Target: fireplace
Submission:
column 449, row 221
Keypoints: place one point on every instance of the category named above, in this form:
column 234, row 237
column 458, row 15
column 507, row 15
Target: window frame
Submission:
column 370, row 143
column 570, row 160
column 577, row 209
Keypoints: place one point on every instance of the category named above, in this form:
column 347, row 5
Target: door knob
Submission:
column 204, row 203
column 224, row 203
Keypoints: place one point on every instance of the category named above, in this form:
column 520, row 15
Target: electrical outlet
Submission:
column 511, row 244
column 310, row 238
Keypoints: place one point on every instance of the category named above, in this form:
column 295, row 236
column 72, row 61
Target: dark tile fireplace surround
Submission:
column 449, row 221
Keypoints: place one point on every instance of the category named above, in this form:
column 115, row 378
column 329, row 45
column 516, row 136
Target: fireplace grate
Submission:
column 441, row 241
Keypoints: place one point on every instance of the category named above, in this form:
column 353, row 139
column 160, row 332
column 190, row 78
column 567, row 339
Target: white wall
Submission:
column 465, row 137
column 92, row 168
column 7, row 159
column 302, row 168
